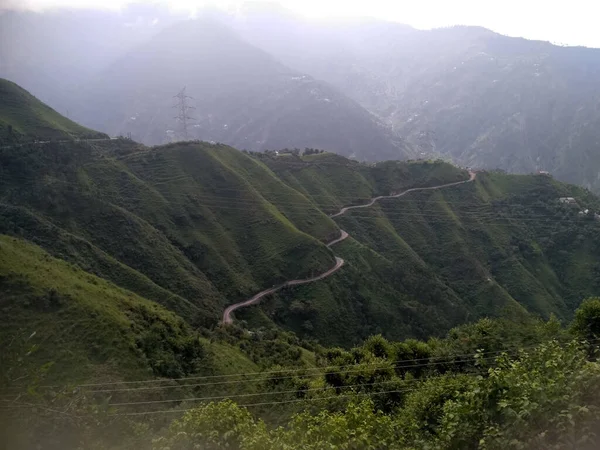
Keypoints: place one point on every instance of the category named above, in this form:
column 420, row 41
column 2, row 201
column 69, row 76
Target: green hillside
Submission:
column 24, row 117
column 196, row 227
column 196, row 220
column 434, row 258
column 117, row 261
column 86, row 326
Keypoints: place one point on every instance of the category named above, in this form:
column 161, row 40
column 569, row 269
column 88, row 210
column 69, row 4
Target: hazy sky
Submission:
column 572, row 22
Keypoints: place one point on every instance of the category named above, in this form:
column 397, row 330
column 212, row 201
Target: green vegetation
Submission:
column 195, row 227
column 24, row 118
column 506, row 383
column 433, row 259
column 80, row 321
column 117, row 261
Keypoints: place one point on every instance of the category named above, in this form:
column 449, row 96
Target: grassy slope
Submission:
column 512, row 239
column 87, row 326
column 197, row 226
column 90, row 329
column 220, row 209
column 32, row 119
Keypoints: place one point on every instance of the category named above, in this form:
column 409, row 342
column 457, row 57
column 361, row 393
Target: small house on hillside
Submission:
column 567, row 200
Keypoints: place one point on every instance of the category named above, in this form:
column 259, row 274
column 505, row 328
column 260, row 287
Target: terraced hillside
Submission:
column 196, row 220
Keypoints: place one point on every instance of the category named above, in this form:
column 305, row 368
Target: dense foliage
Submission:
column 523, row 384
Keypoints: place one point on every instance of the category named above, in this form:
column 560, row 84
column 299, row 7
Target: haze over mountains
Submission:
column 367, row 89
column 466, row 93
column 242, row 96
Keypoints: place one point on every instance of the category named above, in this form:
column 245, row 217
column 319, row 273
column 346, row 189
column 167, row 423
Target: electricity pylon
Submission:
column 183, row 107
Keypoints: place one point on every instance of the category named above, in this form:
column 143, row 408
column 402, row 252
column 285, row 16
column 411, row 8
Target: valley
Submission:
column 242, row 228
column 198, row 227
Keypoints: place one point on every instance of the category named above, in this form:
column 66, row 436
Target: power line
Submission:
column 171, row 411
column 338, row 396
column 351, row 368
column 293, row 391
column 321, row 371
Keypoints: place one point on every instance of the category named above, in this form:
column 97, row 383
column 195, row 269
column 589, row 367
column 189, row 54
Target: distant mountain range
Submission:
column 264, row 79
column 464, row 93
column 242, row 96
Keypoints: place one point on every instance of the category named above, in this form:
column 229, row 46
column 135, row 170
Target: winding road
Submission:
column 339, row 262
column 376, row 199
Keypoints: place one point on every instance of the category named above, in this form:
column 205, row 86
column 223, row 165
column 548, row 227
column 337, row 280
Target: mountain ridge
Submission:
column 22, row 116
column 466, row 94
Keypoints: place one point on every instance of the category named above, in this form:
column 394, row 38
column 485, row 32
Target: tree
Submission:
column 586, row 323
column 223, row 425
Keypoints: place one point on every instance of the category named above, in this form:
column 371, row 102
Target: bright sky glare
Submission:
column 563, row 22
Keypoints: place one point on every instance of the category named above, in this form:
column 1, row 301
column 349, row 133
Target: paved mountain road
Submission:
column 339, row 262
column 376, row 199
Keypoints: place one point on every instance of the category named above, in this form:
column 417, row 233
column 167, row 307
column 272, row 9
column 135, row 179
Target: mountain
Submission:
column 118, row 260
column 242, row 96
column 463, row 93
column 54, row 52
column 196, row 227
column 22, row 116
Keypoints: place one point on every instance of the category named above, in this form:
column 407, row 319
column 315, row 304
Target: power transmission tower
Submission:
column 183, row 107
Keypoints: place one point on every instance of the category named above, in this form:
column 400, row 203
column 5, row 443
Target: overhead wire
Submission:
column 297, row 391
column 292, row 373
